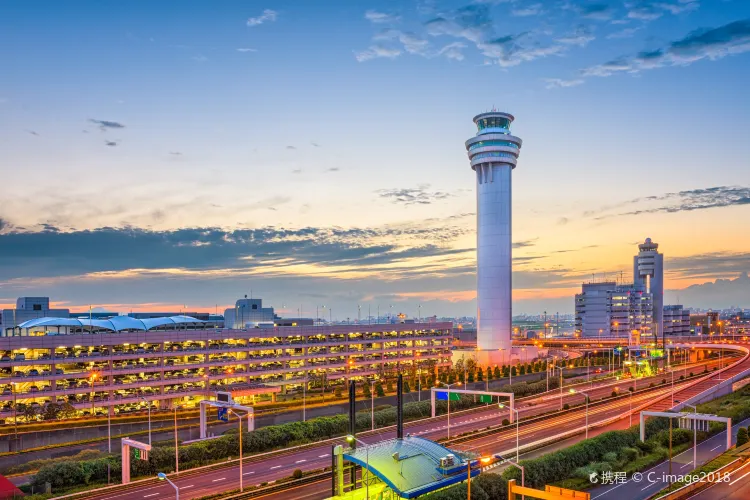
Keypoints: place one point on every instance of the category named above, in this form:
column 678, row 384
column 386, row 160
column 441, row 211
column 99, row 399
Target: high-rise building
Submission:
column 676, row 320
column 648, row 272
column 606, row 309
column 493, row 153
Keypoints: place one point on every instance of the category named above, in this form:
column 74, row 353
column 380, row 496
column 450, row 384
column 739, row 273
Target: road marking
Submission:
column 151, row 495
column 323, row 456
column 650, row 485
column 300, row 461
column 716, row 448
column 686, row 464
column 739, row 478
column 275, row 467
column 248, row 473
column 220, row 479
column 186, row 487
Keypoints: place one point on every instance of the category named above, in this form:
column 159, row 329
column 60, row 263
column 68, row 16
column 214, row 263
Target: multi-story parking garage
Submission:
column 125, row 363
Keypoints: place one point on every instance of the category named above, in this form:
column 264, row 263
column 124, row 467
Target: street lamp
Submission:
column 561, row 383
column 149, row 418
column 372, row 405
column 695, row 436
column 163, row 477
column 239, row 420
column 449, row 406
column 501, row 405
column 176, row 450
column 351, row 439
column 573, row 391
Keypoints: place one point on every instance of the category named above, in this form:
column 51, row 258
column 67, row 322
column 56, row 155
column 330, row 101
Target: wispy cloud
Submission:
column 267, row 16
column 556, row 83
column 246, row 49
column 624, row 33
column 716, row 43
column 421, row 195
column 377, row 51
column 528, row 10
column 32, row 132
column 595, row 11
column 333, row 169
column 381, row 17
column 105, row 124
column 291, row 147
column 649, row 10
column 581, row 37
column 111, row 143
column 683, row 201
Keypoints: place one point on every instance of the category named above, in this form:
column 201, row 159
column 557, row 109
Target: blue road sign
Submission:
column 223, row 415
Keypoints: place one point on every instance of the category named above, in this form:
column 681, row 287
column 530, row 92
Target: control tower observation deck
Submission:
column 493, row 154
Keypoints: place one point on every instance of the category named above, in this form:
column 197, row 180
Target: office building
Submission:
column 493, row 154
column 249, row 313
column 648, row 273
column 28, row 308
column 606, row 309
column 115, row 363
column 676, row 320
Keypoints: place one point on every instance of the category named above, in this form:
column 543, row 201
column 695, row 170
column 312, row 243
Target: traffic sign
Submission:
column 222, row 414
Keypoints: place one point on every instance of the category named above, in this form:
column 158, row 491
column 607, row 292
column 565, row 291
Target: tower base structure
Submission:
column 514, row 356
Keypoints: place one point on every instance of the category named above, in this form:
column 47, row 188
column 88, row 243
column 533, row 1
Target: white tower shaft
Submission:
column 493, row 153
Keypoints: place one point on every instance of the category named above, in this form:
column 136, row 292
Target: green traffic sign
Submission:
column 485, row 398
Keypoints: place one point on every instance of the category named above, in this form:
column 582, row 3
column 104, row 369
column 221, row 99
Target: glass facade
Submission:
column 493, row 154
column 482, row 144
column 493, row 122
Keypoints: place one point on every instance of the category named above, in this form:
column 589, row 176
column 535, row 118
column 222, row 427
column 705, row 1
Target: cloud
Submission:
column 246, row 50
column 105, row 124
column 380, row 17
column 420, row 195
column 291, row 147
column 453, row 51
column 200, row 58
column 580, row 37
column 315, row 144
column 175, row 153
column 333, row 169
column 556, row 83
column 110, row 143
column 624, row 33
column 718, row 294
column 685, row 201
column 32, row 132
column 713, row 44
column 267, row 16
column 4, row 224
column 525, row 244
column 649, row 10
column 297, row 171
column 377, row 51
column 562, row 221
column 595, row 11
column 529, row 10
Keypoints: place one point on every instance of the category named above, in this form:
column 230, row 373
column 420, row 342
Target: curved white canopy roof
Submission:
column 115, row 324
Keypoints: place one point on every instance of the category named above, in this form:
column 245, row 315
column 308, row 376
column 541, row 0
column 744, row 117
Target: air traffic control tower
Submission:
column 493, row 154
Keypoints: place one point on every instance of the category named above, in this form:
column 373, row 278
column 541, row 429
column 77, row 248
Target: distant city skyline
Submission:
column 157, row 157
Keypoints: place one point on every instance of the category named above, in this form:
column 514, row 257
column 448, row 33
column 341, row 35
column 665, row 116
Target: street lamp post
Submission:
column 239, row 420
column 449, row 407
column 372, row 405
column 573, row 391
column 176, row 450
column 501, row 405
column 523, row 472
column 163, row 477
column 350, row 439
column 149, row 418
column 304, row 397
column 561, row 384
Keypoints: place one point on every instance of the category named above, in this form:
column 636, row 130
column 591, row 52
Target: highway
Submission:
column 737, row 488
column 651, row 480
column 277, row 465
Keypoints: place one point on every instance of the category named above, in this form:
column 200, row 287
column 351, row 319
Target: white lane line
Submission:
column 220, row 479
column 686, row 464
column 739, row 478
column 186, row 487
column 650, row 485
column 275, row 467
column 248, row 473
column 716, row 448
column 300, row 461
column 323, row 456
column 151, row 495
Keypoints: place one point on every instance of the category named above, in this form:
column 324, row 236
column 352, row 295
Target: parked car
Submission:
column 19, row 357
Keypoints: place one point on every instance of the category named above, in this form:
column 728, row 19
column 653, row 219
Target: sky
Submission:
column 161, row 155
